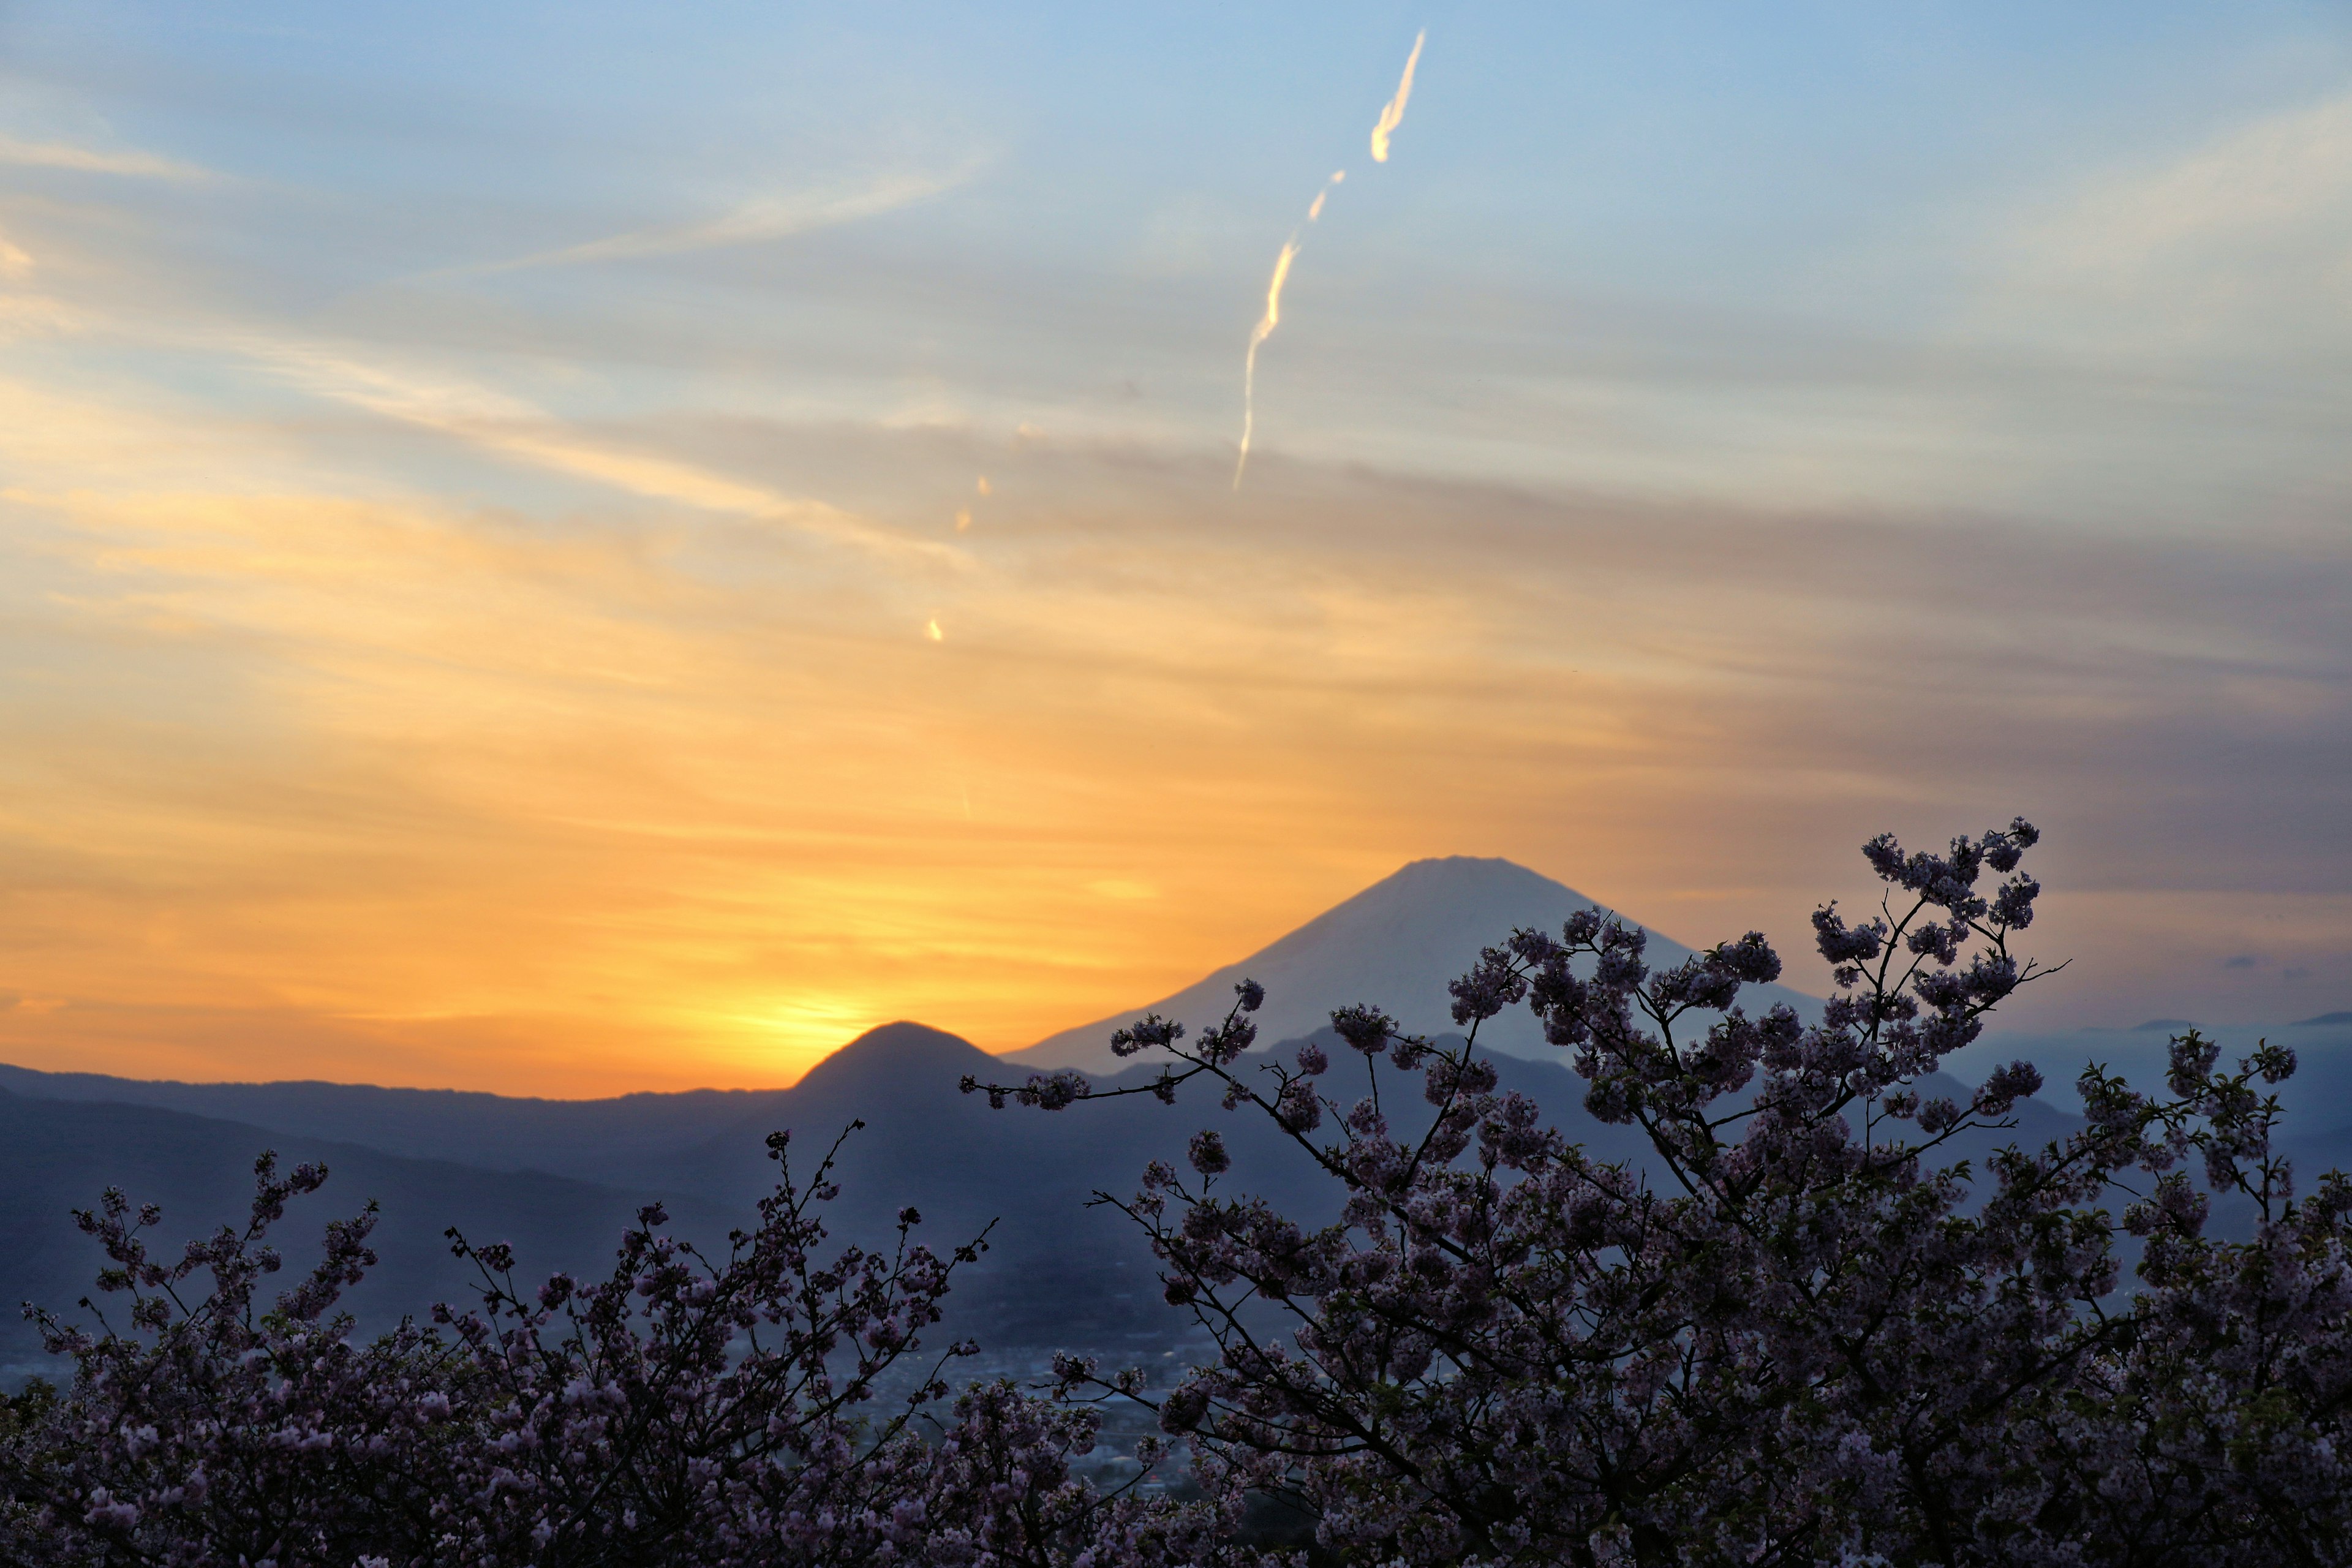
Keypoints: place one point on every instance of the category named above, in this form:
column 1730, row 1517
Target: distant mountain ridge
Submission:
column 1395, row 944
column 625, row 1138
column 559, row 1178
column 1059, row 1273
column 57, row 1155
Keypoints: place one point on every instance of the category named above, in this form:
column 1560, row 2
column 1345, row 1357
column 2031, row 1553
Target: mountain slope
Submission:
column 1059, row 1272
column 629, row 1139
column 58, row 1156
column 2317, row 1099
column 1395, row 944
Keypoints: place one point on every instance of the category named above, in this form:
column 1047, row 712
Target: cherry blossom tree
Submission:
column 688, row 1409
column 1794, row 1335
column 1803, row 1330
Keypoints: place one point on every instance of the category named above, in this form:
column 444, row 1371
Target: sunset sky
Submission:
column 576, row 549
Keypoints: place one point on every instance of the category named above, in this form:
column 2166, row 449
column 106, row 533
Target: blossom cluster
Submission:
column 688, row 1409
column 1802, row 1332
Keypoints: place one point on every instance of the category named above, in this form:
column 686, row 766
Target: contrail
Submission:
column 1393, row 115
column 1258, row 334
column 1273, row 319
column 1324, row 195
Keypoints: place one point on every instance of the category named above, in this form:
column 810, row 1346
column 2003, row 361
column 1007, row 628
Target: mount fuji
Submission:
column 1394, row 945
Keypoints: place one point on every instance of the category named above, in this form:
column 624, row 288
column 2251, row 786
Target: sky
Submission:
column 576, row 549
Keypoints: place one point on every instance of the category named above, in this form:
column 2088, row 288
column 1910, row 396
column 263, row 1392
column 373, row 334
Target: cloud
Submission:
column 527, row 763
column 35, row 316
column 2238, row 247
column 496, row 422
column 2244, row 960
column 559, row 645
column 2280, row 171
column 767, row 218
column 90, row 160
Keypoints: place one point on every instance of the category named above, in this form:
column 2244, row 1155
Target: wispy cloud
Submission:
column 581, row 775
column 765, row 218
column 498, row 423
column 92, row 161
column 2235, row 246
column 2283, row 169
column 526, row 680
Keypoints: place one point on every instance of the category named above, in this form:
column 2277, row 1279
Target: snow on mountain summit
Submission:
column 1395, row 945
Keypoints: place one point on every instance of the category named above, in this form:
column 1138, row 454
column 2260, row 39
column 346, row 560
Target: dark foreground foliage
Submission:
column 686, row 1409
column 1802, row 1338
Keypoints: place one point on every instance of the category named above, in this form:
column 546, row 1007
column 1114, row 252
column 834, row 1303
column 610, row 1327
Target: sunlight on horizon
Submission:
column 620, row 561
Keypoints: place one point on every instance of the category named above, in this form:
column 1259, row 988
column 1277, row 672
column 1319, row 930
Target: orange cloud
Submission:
column 467, row 799
column 605, row 788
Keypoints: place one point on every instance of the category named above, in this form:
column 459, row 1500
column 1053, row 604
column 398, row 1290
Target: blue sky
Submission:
column 1654, row 250
column 1716, row 434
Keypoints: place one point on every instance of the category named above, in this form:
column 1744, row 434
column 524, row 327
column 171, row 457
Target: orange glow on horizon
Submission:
column 461, row 801
column 392, row 791
column 475, row 608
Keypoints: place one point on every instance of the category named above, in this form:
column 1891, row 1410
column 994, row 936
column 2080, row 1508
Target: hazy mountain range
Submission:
column 559, row 1179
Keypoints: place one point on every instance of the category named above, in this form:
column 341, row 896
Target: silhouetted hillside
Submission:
column 57, row 1156
column 1059, row 1273
column 559, row 1179
column 630, row 1139
column 2317, row 1098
